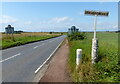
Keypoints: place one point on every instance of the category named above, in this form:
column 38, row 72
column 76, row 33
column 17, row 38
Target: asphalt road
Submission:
column 20, row 63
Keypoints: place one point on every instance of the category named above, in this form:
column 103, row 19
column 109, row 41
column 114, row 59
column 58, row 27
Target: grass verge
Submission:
column 107, row 68
column 8, row 41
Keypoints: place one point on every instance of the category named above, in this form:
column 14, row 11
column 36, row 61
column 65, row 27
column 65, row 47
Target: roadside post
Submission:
column 95, row 40
column 78, row 56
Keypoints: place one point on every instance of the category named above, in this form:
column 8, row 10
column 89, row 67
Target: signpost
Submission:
column 98, row 13
column 95, row 40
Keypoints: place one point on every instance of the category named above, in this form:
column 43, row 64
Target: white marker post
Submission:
column 94, row 40
column 94, row 43
column 78, row 56
column 94, row 50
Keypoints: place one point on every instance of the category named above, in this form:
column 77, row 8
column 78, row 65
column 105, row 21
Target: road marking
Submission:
column 42, row 44
column 10, row 57
column 51, row 40
column 38, row 46
column 35, row 46
column 36, row 71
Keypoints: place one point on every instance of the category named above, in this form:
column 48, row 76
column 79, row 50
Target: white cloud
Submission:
column 54, row 24
column 7, row 19
column 61, row 19
column 100, row 23
column 115, row 26
column 28, row 23
column 81, row 13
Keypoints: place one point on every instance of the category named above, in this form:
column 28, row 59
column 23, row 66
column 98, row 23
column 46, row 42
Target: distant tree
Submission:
column 50, row 32
column 76, row 36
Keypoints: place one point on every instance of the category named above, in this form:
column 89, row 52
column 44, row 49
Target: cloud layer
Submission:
column 53, row 24
column 7, row 19
column 61, row 19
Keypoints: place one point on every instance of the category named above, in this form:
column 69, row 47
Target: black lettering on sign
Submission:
column 97, row 13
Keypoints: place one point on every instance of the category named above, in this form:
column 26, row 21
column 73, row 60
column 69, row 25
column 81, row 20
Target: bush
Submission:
column 76, row 36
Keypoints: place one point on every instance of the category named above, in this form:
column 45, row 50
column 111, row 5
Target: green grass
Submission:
column 107, row 68
column 17, row 41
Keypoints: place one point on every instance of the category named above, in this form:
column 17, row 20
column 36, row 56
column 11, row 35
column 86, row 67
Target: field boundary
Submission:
column 15, row 45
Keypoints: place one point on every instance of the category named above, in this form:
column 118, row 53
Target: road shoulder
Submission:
column 58, row 67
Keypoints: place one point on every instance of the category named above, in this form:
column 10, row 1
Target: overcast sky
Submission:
column 57, row 16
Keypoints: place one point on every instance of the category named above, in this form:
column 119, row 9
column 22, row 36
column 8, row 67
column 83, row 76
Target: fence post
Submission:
column 78, row 56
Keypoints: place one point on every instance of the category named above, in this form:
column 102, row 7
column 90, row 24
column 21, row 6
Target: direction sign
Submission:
column 95, row 41
column 98, row 13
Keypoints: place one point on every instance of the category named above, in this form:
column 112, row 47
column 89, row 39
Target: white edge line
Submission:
column 10, row 57
column 47, row 58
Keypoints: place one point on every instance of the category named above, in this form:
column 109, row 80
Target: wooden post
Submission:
column 94, row 43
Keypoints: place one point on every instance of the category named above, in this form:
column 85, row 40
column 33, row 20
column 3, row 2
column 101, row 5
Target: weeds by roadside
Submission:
column 107, row 68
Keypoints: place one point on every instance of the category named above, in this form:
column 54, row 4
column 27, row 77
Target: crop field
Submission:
column 9, row 40
column 106, row 69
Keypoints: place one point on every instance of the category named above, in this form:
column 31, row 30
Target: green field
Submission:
column 107, row 68
column 20, row 39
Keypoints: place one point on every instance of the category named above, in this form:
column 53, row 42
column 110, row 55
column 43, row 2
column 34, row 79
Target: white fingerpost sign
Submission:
column 78, row 56
column 95, row 40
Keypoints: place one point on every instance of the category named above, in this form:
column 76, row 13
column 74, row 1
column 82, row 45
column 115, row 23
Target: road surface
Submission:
column 20, row 63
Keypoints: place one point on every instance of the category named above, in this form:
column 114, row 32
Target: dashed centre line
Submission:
column 38, row 46
column 35, row 46
column 20, row 53
column 42, row 44
column 10, row 57
column 52, row 41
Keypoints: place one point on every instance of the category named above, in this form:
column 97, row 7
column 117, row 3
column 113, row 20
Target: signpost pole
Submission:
column 94, row 40
column 94, row 43
column 95, row 23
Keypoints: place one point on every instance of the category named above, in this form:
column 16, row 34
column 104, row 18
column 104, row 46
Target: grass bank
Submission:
column 21, row 39
column 107, row 68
